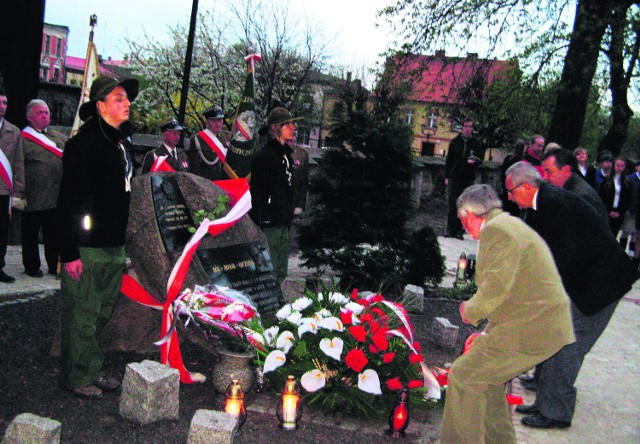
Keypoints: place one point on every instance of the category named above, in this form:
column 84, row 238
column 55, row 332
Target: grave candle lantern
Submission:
column 289, row 410
column 461, row 278
column 234, row 404
column 399, row 417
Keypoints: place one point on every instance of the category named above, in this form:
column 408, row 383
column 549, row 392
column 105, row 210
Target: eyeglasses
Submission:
column 514, row 188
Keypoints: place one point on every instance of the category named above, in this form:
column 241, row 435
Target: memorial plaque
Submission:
column 172, row 213
column 246, row 268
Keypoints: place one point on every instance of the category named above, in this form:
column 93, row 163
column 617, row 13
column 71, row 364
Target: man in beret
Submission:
column 272, row 188
column 208, row 149
column 176, row 160
column 93, row 209
column 42, row 147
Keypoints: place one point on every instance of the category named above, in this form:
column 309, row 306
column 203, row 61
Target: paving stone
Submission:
column 150, row 392
column 28, row 428
column 212, row 427
column 413, row 298
column 444, row 333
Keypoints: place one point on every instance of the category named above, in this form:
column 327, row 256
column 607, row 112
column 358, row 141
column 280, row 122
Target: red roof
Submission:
column 437, row 78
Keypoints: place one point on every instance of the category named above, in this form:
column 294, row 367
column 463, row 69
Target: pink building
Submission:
column 54, row 51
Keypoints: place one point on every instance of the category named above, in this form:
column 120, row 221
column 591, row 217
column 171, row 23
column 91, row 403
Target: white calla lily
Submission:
column 320, row 314
column 294, row 318
column 332, row 347
column 284, row 312
column 271, row 333
column 274, row 360
column 307, row 325
column 301, row 303
column 285, row 341
column 331, row 323
column 368, row 381
column 313, row 380
column 354, row 307
column 338, row 298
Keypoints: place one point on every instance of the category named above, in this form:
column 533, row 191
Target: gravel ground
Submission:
column 28, row 383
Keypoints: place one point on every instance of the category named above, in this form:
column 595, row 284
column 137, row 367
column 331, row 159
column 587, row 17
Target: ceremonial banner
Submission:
column 243, row 131
column 91, row 71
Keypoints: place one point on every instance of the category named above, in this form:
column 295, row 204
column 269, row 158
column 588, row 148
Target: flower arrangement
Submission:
column 349, row 353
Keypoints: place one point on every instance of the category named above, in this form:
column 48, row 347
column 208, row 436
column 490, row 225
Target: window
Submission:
column 432, row 120
column 409, row 120
column 47, row 45
column 56, row 75
column 59, row 48
column 45, row 73
column 302, row 137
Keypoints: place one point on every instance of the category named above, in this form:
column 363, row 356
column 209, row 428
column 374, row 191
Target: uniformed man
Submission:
column 168, row 152
column 208, row 149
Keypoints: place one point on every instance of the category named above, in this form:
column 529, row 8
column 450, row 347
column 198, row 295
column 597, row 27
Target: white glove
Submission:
column 18, row 203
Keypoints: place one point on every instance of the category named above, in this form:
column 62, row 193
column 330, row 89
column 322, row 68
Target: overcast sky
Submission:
column 349, row 23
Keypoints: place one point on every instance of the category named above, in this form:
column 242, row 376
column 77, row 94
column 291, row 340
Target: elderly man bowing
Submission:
column 521, row 295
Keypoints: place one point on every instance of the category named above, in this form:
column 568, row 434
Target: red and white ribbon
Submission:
column 42, row 140
column 214, row 143
column 161, row 164
column 170, row 348
column 5, row 171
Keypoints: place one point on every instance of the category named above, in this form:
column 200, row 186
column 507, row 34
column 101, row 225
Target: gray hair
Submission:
column 36, row 102
column 523, row 172
column 479, row 200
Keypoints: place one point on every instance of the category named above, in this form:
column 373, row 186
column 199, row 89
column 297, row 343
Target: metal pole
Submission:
column 187, row 62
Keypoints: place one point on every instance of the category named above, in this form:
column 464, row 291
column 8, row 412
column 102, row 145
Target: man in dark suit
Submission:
column 596, row 273
column 177, row 160
column 521, row 295
column 559, row 168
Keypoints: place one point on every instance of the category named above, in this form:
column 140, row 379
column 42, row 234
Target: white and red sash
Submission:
column 5, row 171
column 42, row 140
column 214, row 143
column 161, row 164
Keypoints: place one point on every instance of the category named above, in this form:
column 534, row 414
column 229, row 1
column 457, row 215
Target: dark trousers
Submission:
column 556, row 395
column 456, row 187
column 32, row 221
column 4, row 228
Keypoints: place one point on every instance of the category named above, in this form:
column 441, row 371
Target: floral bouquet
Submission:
column 349, row 353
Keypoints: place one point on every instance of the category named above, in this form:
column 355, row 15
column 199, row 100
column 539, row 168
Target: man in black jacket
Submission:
column 596, row 274
column 272, row 187
column 465, row 154
column 93, row 209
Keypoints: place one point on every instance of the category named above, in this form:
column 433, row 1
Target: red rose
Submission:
column 379, row 312
column 354, row 294
column 415, row 383
column 346, row 317
column 358, row 332
column 377, row 298
column 380, row 340
column 363, row 302
column 414, row 358
column 373, row 349
column 394, row 384
column 387, row 358
column 443, row 379
column 367, row 317
column 356, row 360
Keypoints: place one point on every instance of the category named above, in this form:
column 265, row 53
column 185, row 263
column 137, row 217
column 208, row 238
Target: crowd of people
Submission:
column 557, row 250
column 552, row 262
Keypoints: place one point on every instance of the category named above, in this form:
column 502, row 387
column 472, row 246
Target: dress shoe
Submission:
column 527, row 409
column 532, row 386
column 107, row 383
column 89, row 391
column 4, row 277
column 526, row 378
column 34, row 274
column 542, row 422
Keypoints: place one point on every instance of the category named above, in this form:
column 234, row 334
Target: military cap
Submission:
column 101, row 87
column 215, row 112
column 171, row 124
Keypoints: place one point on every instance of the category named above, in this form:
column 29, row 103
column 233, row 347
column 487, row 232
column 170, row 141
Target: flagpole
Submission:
column 93, row 21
